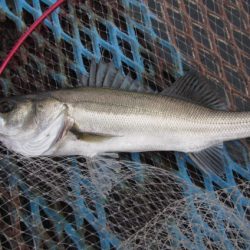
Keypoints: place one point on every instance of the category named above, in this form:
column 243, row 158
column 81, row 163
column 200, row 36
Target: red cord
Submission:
column 27, row 33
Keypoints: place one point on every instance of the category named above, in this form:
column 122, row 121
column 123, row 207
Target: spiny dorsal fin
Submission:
column 92, row 74
column 118, row 80
column 102, row 71
column 210, row 159
column 197, row 89
column 106, row 75
column 110, row 76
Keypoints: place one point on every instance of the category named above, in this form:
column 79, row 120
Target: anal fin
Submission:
column 210, row 159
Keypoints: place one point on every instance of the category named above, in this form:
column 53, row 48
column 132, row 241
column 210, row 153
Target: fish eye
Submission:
column 6, row 106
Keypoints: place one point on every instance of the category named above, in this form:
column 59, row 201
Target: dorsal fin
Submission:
column 118, row 80
column 106, row 75
column 110, row 76
column 92, row 74
column 102, row 71
column 196, row 89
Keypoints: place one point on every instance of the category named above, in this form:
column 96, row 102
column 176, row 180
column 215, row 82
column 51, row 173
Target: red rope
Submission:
column 27, row 33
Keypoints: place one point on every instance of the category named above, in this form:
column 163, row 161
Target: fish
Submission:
column 112, row 113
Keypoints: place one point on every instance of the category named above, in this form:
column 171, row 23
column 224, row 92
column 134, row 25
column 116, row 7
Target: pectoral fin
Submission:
column 89, row 137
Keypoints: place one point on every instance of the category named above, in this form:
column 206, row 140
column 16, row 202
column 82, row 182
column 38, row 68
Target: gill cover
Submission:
column 32, row 125
column 43, row 142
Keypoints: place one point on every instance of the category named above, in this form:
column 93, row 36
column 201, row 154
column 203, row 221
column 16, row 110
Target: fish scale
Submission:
column 89, row 121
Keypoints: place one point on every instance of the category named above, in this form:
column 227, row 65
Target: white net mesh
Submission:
column 195, row 222
column 166, row 203
column 106, row 197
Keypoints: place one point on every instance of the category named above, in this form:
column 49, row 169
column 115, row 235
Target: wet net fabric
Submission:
column 138, row 201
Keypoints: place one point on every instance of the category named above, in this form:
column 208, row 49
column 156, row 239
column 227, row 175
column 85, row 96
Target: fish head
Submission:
column 14, row 115
column 31, row 125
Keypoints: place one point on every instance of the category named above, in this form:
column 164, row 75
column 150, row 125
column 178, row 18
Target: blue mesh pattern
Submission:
column 32, row 217
column 14, row 10
column 148, row 23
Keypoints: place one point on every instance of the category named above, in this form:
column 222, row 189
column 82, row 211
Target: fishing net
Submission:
column 154, row 200
column 103, row 204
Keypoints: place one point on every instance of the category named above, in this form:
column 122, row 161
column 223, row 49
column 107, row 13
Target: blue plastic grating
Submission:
column 75, row 36
column 138, row 20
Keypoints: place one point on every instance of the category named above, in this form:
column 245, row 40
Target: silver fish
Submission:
column 90, row 121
